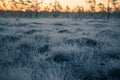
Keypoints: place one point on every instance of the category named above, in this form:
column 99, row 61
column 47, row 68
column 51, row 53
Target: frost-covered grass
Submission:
column 59, row 49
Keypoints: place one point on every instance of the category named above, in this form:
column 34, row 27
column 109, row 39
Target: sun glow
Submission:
column 72, row 5
column 47, row 1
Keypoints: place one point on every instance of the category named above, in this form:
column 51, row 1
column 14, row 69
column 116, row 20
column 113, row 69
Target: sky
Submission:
column 71, row 3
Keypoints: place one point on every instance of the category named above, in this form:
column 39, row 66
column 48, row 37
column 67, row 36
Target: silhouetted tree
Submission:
column 51, row 6
column 13, row 6
column 101, row 7
column 36, row 7
column 56, row 8
column 108, row 10
column 92, row 5
column 4, row 7
column 116, row 4
column 79, row 10
column 29, row 2
column 67, row 10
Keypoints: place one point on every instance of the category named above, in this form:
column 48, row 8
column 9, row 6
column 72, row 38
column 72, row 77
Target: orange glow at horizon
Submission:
column 47, row 4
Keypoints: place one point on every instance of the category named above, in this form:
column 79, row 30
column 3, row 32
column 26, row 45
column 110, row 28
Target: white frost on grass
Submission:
column 59, row 49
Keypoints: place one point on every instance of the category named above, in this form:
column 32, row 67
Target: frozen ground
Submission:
column 59, row 49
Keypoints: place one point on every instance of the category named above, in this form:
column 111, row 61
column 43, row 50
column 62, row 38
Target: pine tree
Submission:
column 108, row 10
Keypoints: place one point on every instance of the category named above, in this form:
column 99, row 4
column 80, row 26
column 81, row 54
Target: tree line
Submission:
column 37, row 8
column 39, row 5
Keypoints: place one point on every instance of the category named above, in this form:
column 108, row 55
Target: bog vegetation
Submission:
column 28, row 8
